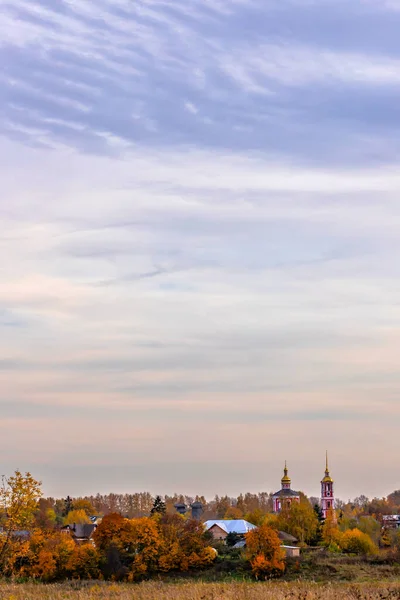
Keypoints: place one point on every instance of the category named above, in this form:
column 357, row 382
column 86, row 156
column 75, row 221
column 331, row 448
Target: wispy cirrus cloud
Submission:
column 93, row 75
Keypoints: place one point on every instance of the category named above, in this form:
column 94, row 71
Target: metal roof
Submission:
column 230, row 525
column 285, row 492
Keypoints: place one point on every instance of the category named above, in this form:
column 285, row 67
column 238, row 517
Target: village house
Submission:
column 391, row 521
column 81, row 533
column 220, row 528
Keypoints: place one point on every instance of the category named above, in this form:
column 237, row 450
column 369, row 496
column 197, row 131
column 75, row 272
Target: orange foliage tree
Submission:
column 113, row 530
column 264, row 551
column 138, row 548
column 146, row 546
column 53, row 556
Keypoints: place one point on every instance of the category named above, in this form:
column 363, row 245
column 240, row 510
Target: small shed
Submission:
column 291, row 551
column 287, row 538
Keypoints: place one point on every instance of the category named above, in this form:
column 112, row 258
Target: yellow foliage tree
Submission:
column 233, row 513
column 44, row 556
column 256, row 516
column 357, row 542
column 63, row 548
column 83, row 504
column 19, row 495
column 145, row 543
column 299, row 520
column 84, row 563
column 76, row 516
column 330, row 531
column 184, row 544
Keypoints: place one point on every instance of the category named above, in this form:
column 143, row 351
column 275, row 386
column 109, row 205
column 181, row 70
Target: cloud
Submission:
column 104, row 77
column 191, row 108
column 256, row 68
column 199, row 227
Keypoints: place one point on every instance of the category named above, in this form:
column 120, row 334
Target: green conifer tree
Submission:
column 159, row 506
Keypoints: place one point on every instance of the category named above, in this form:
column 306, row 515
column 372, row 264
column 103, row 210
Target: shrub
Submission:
column 355, row 541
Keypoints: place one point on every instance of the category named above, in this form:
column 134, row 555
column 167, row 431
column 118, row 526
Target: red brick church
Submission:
column 286, row 496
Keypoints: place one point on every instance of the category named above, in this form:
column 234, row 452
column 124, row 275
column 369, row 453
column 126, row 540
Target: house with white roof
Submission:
column 219, row 528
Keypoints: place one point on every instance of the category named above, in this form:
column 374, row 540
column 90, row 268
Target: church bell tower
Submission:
column 327, row 496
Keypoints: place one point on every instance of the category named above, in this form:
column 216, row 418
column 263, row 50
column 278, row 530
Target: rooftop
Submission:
column 287, row 492
column 230, row 525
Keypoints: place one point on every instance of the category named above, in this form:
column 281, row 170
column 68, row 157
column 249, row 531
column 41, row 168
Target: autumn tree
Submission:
column 85, row 505
column 113, row 530
column 299, row 520
column 256, row 517
column 76, row 516
column 233, row 513
column 51, row 556
column 331, row 534
column 355, row 541
column 84, row 563
column 394, row 499
column 145, row 547
column 113, row 541
column 19, row 495
column 264, row 552
column 194, row 544
column 45, row 517
column 371, row 527
column 221, row 506
column 138, row 548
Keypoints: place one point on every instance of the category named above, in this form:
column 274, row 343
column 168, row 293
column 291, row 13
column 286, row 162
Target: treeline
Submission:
column 139, row 504
column 220, row 507
column 133, row 506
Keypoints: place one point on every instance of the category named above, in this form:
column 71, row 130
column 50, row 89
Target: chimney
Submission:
column 180, row 508
column 197, row 510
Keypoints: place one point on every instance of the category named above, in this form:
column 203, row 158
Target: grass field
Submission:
column 316, row 576
column 201, row 591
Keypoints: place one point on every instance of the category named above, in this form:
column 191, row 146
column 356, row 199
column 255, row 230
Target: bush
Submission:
column 355, row 541
column 334, row 548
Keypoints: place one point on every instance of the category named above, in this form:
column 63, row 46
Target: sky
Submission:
column 199, row 241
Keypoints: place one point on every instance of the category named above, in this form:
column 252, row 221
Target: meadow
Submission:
column 201, row 591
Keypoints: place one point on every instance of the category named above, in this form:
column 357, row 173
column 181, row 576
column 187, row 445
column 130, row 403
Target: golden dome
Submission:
column 327, row 478
column 285, row 478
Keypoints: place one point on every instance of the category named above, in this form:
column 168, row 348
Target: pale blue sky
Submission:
column 199, row 237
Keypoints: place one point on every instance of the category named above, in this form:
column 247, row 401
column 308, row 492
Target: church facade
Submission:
column 286, row 496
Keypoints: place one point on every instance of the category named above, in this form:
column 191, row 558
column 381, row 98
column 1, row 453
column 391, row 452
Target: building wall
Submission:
column 327, row 498
column 217, row 532
column 292, row 551
column 282, row 501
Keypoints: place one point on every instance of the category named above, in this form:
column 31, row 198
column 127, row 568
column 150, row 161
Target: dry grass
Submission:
column 201, row 591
